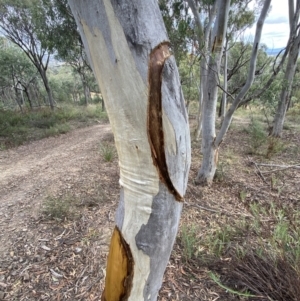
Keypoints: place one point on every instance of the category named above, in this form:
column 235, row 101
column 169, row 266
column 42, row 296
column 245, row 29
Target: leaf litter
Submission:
column 65, row 259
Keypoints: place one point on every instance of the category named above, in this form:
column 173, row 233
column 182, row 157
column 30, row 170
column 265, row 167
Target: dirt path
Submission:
column 61, row 260
column 30, row 172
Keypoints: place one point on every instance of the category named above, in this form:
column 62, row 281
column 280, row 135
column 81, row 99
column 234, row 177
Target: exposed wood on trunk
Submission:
column 155, row 115
column 119, row 38
column 119, row 271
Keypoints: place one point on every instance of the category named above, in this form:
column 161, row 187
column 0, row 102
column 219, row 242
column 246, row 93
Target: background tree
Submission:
column 211, row 143
column 238, row 65
column 63, row 38
column 204, row 13
column 240, row 17
column 126, row 45
column 21, row 21
column 181, row 32
column 284, row 100
column 17, row 74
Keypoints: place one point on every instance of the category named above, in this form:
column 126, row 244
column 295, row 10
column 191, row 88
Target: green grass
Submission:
column 257, row 136
column 107, row 151
column 264, row 251
column 189, row 241
column 59, row 209
column 17, row 128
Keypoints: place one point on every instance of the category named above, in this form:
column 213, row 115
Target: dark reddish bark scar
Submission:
column 158, row 57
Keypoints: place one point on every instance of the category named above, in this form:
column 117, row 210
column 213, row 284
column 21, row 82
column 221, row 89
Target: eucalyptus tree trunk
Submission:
column 128, row 49
column 289, row 72
column 250, row 78
column 86, row 89
column 210, row 142
column 210, row 153
column 286, row 90
column 47, row 87
column 204, row 35
column 223, row 104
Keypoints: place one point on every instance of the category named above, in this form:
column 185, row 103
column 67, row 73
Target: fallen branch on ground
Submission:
column 281, row 167
column 259, row 173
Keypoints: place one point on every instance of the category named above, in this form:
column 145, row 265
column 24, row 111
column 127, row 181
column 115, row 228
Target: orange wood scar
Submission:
column 119, row 270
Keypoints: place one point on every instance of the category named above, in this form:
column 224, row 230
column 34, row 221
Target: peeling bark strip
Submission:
column 158, row 57
column 119, row 270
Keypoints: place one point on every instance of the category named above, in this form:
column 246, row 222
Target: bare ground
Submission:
column 42, row 259
column 32, row 246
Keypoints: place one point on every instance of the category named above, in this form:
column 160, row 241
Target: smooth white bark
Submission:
column 224, row 95
column 120, row 38
column 204, row 33
column 209, row 162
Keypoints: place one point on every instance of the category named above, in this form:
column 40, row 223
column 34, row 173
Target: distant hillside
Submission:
column 274, row 51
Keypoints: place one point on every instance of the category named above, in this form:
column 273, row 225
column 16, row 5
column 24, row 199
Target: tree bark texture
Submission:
column 223, row 104
column 211, row 142
column 86, row 89
column 127, row 45
column 210, row 95
column 204, row 41
column 47, row 86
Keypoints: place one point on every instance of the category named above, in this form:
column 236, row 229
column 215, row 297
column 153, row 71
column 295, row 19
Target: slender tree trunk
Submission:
column 87, row 94
column 286, row 90
column 210, row 153
column 210, row 143
column 202, row 87
column 47, row 87
column 18, row 99
column 126, row 45
column 251, row 75
column 26, row 91
column 283, row 102
column 223, row 104
column 102, row 105
column 86, row 89
column 204, row 45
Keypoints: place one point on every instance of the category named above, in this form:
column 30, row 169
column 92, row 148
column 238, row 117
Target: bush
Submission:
column 16, row 127
column 257, row 136
column 275, row 146
column 58, row 208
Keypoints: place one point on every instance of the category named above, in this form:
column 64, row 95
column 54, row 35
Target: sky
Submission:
column 276, row 28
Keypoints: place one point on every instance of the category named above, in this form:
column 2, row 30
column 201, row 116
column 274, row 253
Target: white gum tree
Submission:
column 290, row 69
column 127, row 46
column 210, row 141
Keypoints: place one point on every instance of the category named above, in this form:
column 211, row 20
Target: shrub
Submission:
column 58, row 208
column 257, row 136
column 275, row 146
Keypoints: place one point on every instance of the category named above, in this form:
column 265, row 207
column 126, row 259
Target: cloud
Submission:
column 275, row 34
column 277, row 20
